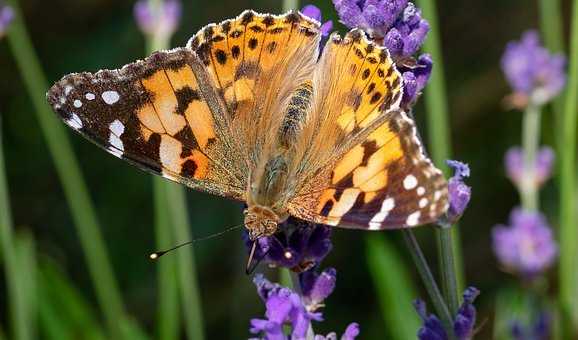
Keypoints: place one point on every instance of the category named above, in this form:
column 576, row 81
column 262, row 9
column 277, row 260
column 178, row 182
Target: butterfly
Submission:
column 251, row 110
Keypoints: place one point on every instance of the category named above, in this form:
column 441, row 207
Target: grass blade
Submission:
column 568, row 276
column 19, row 318
column 394, row 288
column 168, row 316
column 75, row 189
column 189, row 287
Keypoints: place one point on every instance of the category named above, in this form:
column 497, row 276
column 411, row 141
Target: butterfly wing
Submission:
column 365, row 166
column 161, row 114
column 257, row 61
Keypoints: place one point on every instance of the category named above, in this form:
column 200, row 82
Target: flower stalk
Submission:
column 428, row 280
column 530, row 143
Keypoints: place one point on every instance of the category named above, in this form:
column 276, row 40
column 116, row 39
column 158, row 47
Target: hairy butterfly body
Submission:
column 249, row 110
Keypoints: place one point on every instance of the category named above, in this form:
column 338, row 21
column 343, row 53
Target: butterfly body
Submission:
column 252, row 111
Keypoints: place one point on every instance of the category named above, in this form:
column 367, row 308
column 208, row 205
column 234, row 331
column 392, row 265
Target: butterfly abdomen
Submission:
column 295, row 115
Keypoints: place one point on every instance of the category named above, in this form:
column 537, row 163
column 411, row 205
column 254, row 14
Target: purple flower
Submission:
column 514, row 162
column 532, row 71
column 6, row 17
column 162, row 21
column 408, row 33
column 464, row 321
column 299, row 245
column 317, row 287
column 459, row 192
column 315, row 13
column 375, row 17
column 398, row 23
column 527, row 245
column 415, row 78
column 285, row 307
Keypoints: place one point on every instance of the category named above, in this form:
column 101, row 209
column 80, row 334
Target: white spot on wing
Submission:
column 413, row 219
column 110, row 97
column 116, row 130
column 89, row 96
column 423, row 202
column 67, row 90
column 437, row 195
column 409, row 182
column 74, row 122
column 77, row 103
column 420, row 191
column 387, row 205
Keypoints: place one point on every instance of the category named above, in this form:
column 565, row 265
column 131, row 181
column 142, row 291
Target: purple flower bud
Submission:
column 464, row 321
column 6, row 17
column 532, row 71
column 315, row 13
column 317, row 287
column 415, row 78
column 459, row 192
column 162, row 21
column 526, row 246
column 514, row 162
column 432, row 328
column 298, row 246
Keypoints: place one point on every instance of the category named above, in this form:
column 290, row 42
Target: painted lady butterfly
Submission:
column 249, row 111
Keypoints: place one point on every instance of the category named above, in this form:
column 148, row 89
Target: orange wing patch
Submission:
column 384, row 182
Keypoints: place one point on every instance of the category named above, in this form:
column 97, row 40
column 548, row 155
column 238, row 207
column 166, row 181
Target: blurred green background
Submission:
column 87, row 35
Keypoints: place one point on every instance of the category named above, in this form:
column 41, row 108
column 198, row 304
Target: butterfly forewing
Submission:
column 161, row 114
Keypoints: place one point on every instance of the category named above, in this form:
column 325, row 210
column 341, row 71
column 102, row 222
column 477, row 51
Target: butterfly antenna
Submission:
column 157, row 254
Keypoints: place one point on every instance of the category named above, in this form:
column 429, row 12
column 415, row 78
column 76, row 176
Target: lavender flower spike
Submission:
column 514, row 163
column 315, row 13
column 459, row 192
column 526, row 246
column 373, row 16
column 6, row 17
column 161, row 22
column 533, row 73
column 284, row 307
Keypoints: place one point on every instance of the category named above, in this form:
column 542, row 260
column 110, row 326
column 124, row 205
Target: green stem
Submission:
column 428, row 280
column 17, row 309
column 189, row 287
column 568, row 230
column 438, row 129
column 530, row 143
column 71, row 178
column 168, row 311
column 448, row 267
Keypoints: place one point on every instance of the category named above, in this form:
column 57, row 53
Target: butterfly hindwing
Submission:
column 368, row 169
column 161, row 114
